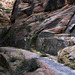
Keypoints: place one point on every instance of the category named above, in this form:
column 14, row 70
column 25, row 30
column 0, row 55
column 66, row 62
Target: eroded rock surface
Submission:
column 39, row 29
column 27, row 63
column 27, row 28
column 51, row 45
column 15, row 61
column 67, row 56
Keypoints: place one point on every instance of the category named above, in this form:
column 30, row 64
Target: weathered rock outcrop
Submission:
column 67, row 56
column 16, row 61
column 43, row 31
column 51, row 45
column 24, row 30
column 20, row 62
column 43, row 5
column 15, row 10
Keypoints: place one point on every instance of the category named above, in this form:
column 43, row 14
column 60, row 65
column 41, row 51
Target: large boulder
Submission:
column 16, row 61
column 51, row 45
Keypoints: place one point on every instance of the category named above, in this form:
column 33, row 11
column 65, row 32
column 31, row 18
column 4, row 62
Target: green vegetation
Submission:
column 0, row 5
column 8, row 10
column 13, row 59
column 43, row 55
column 20, row 52
column 60, row 61
column 3, row 8
column 33, row 39
column 41, row 47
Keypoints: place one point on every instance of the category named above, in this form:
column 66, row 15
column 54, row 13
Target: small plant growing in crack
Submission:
column 13, row 59
column 20, row 52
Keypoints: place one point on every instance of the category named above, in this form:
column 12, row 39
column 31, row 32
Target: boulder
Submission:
column 51, row 45
column 15, row 61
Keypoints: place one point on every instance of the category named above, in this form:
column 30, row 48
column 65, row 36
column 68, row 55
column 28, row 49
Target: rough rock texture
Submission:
column 27, row 31
column 11, row 58
column 22, row 33
column 47, row 5
column 67, row 56
column 51, row 45
column 42, row 24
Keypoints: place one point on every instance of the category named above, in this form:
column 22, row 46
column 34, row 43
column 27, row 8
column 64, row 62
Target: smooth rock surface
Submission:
column 52, row 68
